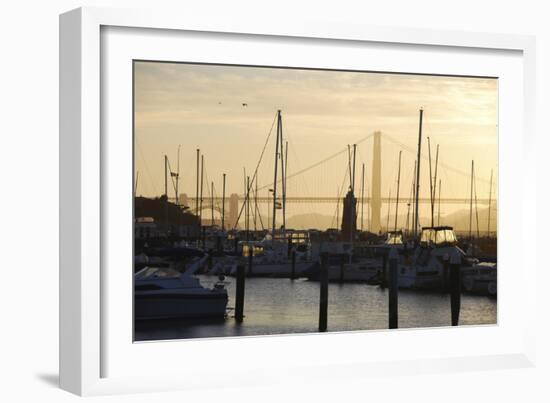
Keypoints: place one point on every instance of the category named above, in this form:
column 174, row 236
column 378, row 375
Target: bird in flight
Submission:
column 245, row 105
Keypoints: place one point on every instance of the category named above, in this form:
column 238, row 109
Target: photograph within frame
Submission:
column 300, row 232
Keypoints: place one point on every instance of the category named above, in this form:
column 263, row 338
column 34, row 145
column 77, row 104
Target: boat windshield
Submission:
column 150, row 273
column 394, row 238
column 438, row 236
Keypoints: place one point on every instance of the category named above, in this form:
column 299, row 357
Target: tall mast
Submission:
column 435, row 181
column 362, row 194
column 275, row 175
column 283, row 170
column 166, row 176
column 389, row 212
column 431, row 184
column 490, row 195
column 337, row 207
column 212, row 203
column 353, row 182
column 248, row 208
column 197, row 194
column 439, row 204
column 136, row 186
column 223, row 203
column 178, row 178
column 397, row 199
column 255, row 204
column 349, row 167
column 202, row 183
column 418, row 173
column 477, row 213
column 471, row 198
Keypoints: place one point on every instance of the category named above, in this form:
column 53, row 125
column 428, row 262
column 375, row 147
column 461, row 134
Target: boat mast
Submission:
column 431, row 184
column 255, row 204
column 439, row 204
column 471, row 199
column 490, row 195
column 362, row 194
column 212, row 203
column 197, row 194
column 178, row 178
column 389, row 212
column 283, row 171
column 418, row 173
column 275, row 174
column 247, row 208
column 166, row 177
column 202, row 186
column 397, row 199
column 136, row 186
column 223, row 203
column 435, row 182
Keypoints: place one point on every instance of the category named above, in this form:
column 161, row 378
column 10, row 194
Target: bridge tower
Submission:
column 233, row 213
column 376, row 188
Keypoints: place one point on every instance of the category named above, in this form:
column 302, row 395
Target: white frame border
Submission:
column 80, row 165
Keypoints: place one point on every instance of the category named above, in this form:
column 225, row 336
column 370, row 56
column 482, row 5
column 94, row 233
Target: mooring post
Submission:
column 293, row 266
column 239, row 297
column 250, row 259
column 455, row 287
column 323, row 300
column 393, row 288
column 342, row 260
column 383, row 282
column 446, row 267
column 236, row 244
column 219, row 244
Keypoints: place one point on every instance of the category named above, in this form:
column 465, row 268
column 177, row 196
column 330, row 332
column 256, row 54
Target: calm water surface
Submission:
column 279, row 306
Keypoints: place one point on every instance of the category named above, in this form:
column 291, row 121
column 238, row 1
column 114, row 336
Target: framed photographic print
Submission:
column 289, row 197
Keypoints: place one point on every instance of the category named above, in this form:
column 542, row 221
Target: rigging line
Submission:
column 256, row 170
column 345, row 150
column 410, row 149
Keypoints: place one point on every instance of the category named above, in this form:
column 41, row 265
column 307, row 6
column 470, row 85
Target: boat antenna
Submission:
column 223, row 203
column 490, row 195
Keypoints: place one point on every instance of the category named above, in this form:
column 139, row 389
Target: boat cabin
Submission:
column 438, row 236
column 394, row 238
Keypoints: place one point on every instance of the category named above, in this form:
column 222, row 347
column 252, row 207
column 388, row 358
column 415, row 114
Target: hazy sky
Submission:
column 200, row 106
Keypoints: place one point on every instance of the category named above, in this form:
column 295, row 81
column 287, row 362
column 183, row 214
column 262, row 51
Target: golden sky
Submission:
column 201, row 106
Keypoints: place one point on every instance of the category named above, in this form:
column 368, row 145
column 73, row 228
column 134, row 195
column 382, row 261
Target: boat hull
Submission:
column 172, row 304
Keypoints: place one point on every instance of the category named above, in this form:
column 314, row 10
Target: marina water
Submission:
column 284, row 306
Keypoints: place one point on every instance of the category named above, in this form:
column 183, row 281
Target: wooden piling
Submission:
column 455, row 288
column 239, row 297
column 393, row 289
column 383, row 280
column 323, row 300
column 250, row 260
column 293, row 265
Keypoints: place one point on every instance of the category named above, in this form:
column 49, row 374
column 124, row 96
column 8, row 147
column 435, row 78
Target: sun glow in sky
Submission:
column 201, row 106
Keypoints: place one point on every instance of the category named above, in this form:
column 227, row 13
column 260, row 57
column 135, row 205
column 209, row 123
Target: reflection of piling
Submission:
column 239, row 297
column 250, row 260
column 323, row 300
column 293, row 264
column 455, row 286
column 393, row 289
column 342, row 259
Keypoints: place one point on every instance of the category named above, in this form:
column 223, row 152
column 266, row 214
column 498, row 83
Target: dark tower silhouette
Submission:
column 349, row 216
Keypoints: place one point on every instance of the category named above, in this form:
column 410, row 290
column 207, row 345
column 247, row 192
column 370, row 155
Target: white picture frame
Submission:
column 87, row 342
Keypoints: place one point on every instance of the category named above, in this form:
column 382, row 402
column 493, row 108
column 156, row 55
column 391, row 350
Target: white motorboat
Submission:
column 164, row 292
column 426, row 267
